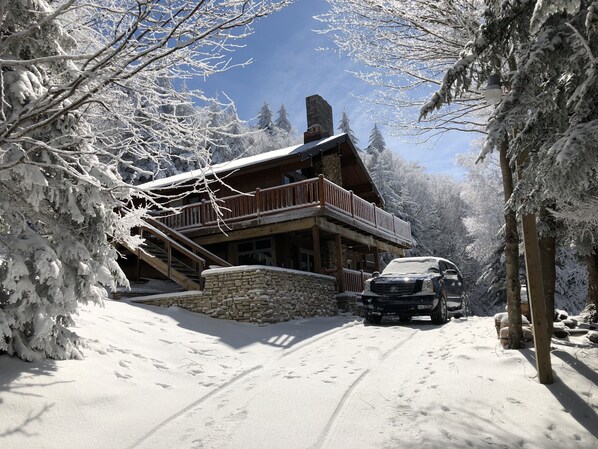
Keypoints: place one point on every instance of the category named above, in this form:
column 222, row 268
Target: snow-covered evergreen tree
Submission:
column 376, row 142
column 373, row 158
column 282, row 121
column 66, row 66
column 344, row 126
column 264, row 118
column 57, row 204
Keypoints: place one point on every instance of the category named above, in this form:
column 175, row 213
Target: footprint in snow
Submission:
column 165, row 386
column 447, row 435
column 122, row 376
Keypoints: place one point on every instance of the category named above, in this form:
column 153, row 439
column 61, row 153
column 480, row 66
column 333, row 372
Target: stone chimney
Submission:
column 319, row 119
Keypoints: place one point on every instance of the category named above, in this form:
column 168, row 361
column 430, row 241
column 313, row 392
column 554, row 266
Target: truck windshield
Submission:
column 411, row 266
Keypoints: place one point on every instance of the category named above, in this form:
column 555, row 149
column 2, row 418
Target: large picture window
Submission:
column 255, row 252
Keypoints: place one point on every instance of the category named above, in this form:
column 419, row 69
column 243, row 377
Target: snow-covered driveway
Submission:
column 156, row 378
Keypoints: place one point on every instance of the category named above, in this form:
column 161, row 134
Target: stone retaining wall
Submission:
column 259, row 294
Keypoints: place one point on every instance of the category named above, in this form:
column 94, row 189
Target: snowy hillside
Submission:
column 167, row 378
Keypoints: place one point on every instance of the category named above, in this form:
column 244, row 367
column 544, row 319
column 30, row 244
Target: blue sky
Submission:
column 287, row 67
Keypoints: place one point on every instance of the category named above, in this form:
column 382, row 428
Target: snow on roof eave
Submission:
column 236, row 164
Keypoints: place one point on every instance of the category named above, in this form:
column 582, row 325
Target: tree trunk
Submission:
column 547, row 244
column 511, row 255
column 592, row 264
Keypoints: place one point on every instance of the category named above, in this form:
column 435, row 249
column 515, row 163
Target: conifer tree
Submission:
column 282, row 121
column 344, row 126
column 376, row 142
column 264, row 118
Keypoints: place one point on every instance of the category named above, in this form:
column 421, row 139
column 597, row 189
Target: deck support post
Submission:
column 315, row 231
column 339, row 263
column 376, row 259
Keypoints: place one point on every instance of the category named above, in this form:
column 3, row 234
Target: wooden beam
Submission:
column 258, row 231
column 390, row 248
column 316, row 243
column 327, row 226
column 354, row 236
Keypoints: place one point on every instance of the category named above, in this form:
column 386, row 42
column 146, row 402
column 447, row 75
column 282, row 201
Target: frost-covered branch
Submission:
column 407, row 46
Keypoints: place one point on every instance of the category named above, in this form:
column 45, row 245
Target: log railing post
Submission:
column 321, row 188
column 375, row 215
column 202, row 212
column 257, row 201
column 352, row 204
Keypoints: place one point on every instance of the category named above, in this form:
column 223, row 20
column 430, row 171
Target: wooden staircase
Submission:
column 174, row 255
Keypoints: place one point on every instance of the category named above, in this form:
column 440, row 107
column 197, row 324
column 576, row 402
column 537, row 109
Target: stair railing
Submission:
column 183, row 240
column 169, row 246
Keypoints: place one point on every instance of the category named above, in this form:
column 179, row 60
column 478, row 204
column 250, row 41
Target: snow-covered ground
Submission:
column 168, row 378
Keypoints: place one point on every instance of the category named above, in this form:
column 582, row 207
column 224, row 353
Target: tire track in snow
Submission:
column 234, row 380
column 301, row 346
column 346, row 396
column 194, row 404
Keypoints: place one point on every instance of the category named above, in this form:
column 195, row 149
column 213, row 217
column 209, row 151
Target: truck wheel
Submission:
column 440, row 313
column 405, row 318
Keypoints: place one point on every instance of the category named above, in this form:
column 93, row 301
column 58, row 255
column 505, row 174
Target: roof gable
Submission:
column 297, row 152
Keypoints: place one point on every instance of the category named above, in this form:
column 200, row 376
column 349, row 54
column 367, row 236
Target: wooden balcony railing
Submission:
column 353, row 280
column 311, row 193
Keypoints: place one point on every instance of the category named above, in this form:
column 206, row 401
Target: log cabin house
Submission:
column 311, row 207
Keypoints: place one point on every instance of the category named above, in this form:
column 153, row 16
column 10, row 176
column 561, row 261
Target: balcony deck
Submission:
column 312, row 197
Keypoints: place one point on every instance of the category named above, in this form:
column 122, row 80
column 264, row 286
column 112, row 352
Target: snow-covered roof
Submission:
column 235, row 164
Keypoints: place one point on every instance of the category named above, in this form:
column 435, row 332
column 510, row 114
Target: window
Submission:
column 255, row 252
column 306, row 260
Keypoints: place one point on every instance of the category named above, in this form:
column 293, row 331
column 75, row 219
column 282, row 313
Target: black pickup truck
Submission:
column 415, row 286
